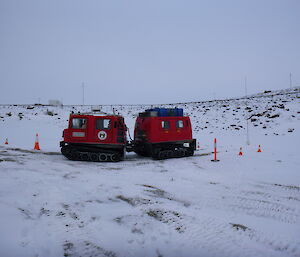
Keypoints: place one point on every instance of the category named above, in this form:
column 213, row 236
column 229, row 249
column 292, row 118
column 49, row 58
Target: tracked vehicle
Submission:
column 94, row 137
column 163, row 133
column 159, row 133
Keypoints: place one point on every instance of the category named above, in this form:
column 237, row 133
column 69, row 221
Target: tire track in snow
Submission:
column 217, row 237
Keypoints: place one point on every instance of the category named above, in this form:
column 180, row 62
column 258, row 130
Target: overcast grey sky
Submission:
column 136, row 51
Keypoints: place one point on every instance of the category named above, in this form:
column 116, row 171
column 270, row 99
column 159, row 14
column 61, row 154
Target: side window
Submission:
column 179, row 124
column 78, row 123
column 103, row 124
column 165, row 124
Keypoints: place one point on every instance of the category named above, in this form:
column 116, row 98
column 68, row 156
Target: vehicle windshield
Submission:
column 79, row 123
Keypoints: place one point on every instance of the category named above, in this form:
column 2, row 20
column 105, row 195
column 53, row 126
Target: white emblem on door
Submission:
column 102, row 135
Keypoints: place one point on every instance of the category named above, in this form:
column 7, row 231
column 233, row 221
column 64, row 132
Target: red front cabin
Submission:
column 90, row 135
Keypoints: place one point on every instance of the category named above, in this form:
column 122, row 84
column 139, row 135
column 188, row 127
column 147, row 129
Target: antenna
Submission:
column 246, row 87
column 291, row 82
column 82, row 93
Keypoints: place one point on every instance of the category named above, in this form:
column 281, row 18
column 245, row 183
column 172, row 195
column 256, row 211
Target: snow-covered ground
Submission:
column 241, row 206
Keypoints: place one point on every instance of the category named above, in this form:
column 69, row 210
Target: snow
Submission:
column 241, row 206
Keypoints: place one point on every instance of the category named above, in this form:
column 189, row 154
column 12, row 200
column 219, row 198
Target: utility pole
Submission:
column 247, row 121
column 82, row 93
column 291, row 82
column 248, row 140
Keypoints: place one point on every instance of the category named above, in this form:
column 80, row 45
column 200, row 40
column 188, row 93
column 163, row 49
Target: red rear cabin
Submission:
column 163, row 133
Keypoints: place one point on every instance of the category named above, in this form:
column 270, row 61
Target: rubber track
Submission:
column 74, row 155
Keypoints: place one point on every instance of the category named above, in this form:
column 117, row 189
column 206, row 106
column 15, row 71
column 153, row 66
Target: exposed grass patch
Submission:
column 33, row 151
column 10, row 160
column 148, row 186
column 239, row 226
column 113, row 168
column 133, row 201
column 137, row 231
column 26, row 213
column 44, row 211
column 168, row 217
column 205, row 154
column 85, row 248
column 288, row 186
column 157, row 192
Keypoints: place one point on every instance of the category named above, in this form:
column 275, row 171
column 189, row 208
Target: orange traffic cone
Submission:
column 259, row 150
column 36, row 144
column 241, row 151
column 6, row 141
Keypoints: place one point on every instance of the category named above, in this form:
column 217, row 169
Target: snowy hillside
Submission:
column 241, row 206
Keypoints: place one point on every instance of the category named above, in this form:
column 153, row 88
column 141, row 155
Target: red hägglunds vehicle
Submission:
column 159, row 133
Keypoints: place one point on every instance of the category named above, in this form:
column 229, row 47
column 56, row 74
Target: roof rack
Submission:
column 162, row 112
column 95, row 113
